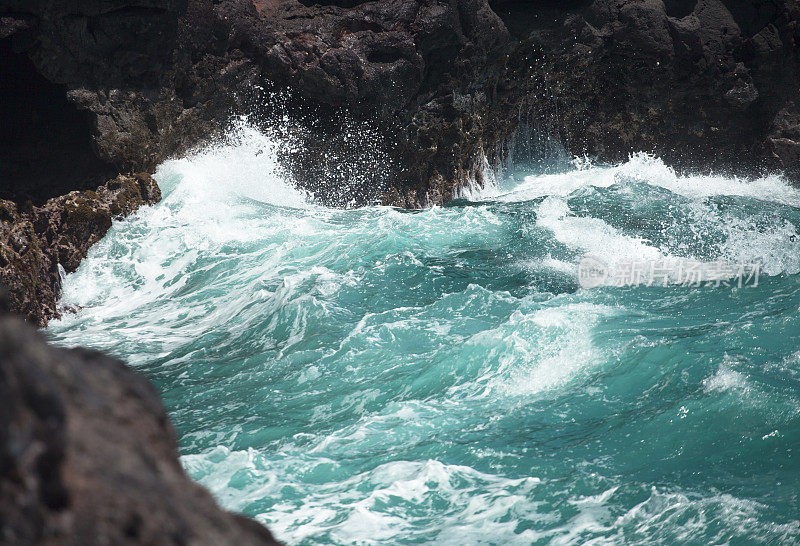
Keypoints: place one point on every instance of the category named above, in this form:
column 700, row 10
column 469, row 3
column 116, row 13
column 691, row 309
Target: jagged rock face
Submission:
column 88, row 455
column 435, row 85
column 703, row 83
column 34, row 240
column 157, row 76
column 427, row 72
column 443, row 81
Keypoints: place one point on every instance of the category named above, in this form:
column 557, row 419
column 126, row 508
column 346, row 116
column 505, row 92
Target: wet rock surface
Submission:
column 706, row 84
column 442, row 84
column 427, row 73
column 35, row 240
column 88, row 455
column 397, row 102
column 158, row 76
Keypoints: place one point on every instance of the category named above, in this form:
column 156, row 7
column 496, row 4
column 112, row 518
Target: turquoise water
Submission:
column 377, row 376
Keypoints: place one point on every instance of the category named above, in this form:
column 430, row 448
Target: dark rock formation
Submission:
column 441, row 83
column 390, row 100
column 427, row 73
column 702, row 83
column 88, row 456
column 154, row 76
column 34, row 240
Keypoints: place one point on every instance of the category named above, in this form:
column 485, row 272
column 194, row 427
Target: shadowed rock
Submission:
column 88, row 455
column 705, row 84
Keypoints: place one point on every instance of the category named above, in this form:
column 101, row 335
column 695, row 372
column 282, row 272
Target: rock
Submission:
column 88, row 455
column 35, row 240
column 787, row 152
column 742, row 94
column 437, row 85
column 398, row 102
column 25, row 270
column 422, row 75
column 719, row 33
column 784, row 139
column 787, row 122
column 701, row 94
column 165, row 74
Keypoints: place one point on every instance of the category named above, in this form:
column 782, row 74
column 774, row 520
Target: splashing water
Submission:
column 380, row 376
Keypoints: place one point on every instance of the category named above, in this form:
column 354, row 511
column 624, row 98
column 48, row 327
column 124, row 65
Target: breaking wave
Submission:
column 381, row 376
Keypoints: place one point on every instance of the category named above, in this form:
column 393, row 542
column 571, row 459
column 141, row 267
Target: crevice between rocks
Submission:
column 45, row 141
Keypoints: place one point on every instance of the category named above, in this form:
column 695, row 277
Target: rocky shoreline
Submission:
column 706, row 84
column 95, row 94
column 35, row 241
column 433, row 89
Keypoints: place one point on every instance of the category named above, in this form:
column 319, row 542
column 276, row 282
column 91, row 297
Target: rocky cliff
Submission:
column 415, row 94
column 705, row 84
column 150, row 78
column 131, row 82
column 36, row 240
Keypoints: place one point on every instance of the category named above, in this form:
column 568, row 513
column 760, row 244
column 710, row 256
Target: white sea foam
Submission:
column 769, row 247
column 536, row 352
column 359, row 508
column 592, row 235
column 647, row 169
column 677, row 518
column 725, row 379
column 236, row 253
column 212, row 205
column 456, row 504
column 245, row 165
column 488, row 187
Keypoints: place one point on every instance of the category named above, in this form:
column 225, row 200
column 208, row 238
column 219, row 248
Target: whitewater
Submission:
column 382, row 376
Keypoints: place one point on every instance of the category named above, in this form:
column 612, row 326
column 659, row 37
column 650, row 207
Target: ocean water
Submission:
column 380, row 376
